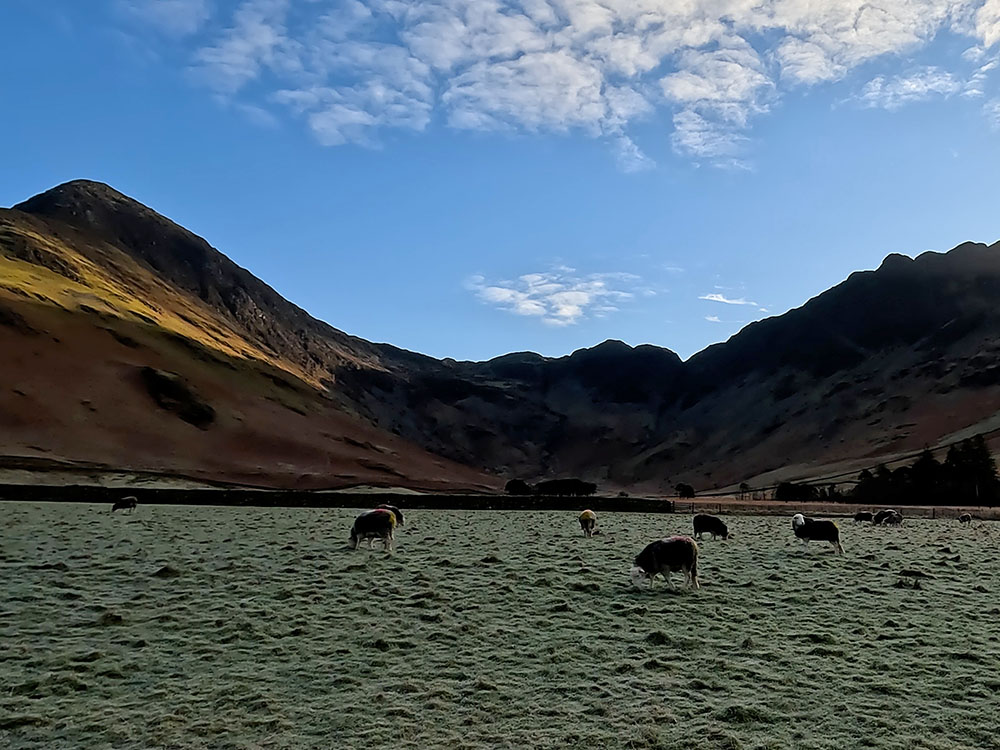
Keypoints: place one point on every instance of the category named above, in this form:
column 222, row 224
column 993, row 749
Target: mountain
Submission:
column 134, row 344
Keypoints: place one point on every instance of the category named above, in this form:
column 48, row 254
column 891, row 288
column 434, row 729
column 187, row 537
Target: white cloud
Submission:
column 630, row 158
column 256, row 41
column 172, row 17
column 992, row 111
column 354, row 69
column 713, row 319
column 918, row 86
column 559, row 297
column 713, row 297
column 988, row 22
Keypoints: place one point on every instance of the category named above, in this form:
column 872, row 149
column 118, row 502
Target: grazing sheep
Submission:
column 395, row 511
column 881, row 516
column 666, row 556
column 714, row 526
column 895, row 518
column 808, row 529
column 588, row 520
column 863, row 516
column 126, row 503
column 965, row 518
column 371, row 525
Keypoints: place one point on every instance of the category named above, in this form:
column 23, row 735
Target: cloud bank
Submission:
column 354, row 70
column 560, row 297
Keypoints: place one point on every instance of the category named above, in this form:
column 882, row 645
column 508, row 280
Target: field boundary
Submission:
column 327, row 499
column 243, row 497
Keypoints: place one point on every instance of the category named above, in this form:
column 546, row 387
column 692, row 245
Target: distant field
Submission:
column 486, row 630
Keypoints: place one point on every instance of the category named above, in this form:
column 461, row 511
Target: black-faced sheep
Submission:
column 395, row 511
column 371, row 525
column 664, row 557
column 965, row 519
column 126, row 503
column 862, row 516
column 880, row 517
column 715, row 526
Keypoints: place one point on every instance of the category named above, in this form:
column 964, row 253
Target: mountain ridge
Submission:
column 850, row 375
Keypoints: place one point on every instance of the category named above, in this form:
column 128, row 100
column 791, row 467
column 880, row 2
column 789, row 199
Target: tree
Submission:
column 566, row 487
column 790, row 492
column 744, row 490
column 684, row 490
column 924, row 480
column 968, row 476
column 517, row 487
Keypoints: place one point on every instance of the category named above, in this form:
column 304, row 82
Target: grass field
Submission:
column 486, row 630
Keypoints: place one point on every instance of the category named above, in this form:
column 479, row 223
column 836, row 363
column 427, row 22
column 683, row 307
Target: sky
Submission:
column 467, row 178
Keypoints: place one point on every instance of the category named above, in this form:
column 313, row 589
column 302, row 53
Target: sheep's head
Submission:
column 638, row 575
column 798, row 520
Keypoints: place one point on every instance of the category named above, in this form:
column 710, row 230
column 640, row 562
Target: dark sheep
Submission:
column 126, row 503
column 881, row 516
column 588, row 521
column 965, row 518
column 862, row 516
column 895, row 518
column 371, row 525
column 711, row 524
column 809, row 529
column 395, row 511
column 666, row 556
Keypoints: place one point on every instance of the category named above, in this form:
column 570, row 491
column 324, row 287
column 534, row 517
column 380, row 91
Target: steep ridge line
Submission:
column 885, row 362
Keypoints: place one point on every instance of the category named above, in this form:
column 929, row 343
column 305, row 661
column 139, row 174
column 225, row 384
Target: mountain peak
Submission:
column 73, row 194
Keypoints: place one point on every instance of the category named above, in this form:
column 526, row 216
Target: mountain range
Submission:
column 130, row 344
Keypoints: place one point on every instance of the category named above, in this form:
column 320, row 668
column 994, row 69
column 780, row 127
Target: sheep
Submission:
column 588, row 520
column 395, row 511
column 714, row 526
column 665, row 556
column 965, row 519
column 371, row 525
column 895, row 518
column 126, row 503
column 879, row 518
column 808, row 529
column 862, row 516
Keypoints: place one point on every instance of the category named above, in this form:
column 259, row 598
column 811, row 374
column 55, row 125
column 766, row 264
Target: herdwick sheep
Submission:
column 126, row 503
column 664, row 557
column 808, row 529
column 894, row 519
column 371, row 525
column 714, row 526
column 880, row 517
column 395, row 511
column 863, row 516
column 588, row 521
column 965, row 518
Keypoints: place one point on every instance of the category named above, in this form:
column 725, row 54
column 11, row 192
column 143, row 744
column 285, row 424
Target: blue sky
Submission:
column 467, row 179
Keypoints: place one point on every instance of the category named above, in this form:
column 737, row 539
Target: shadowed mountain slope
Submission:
column 94, row 287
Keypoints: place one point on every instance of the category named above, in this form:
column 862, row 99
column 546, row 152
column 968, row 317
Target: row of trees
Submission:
column 575, row 487
column 967, row 476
